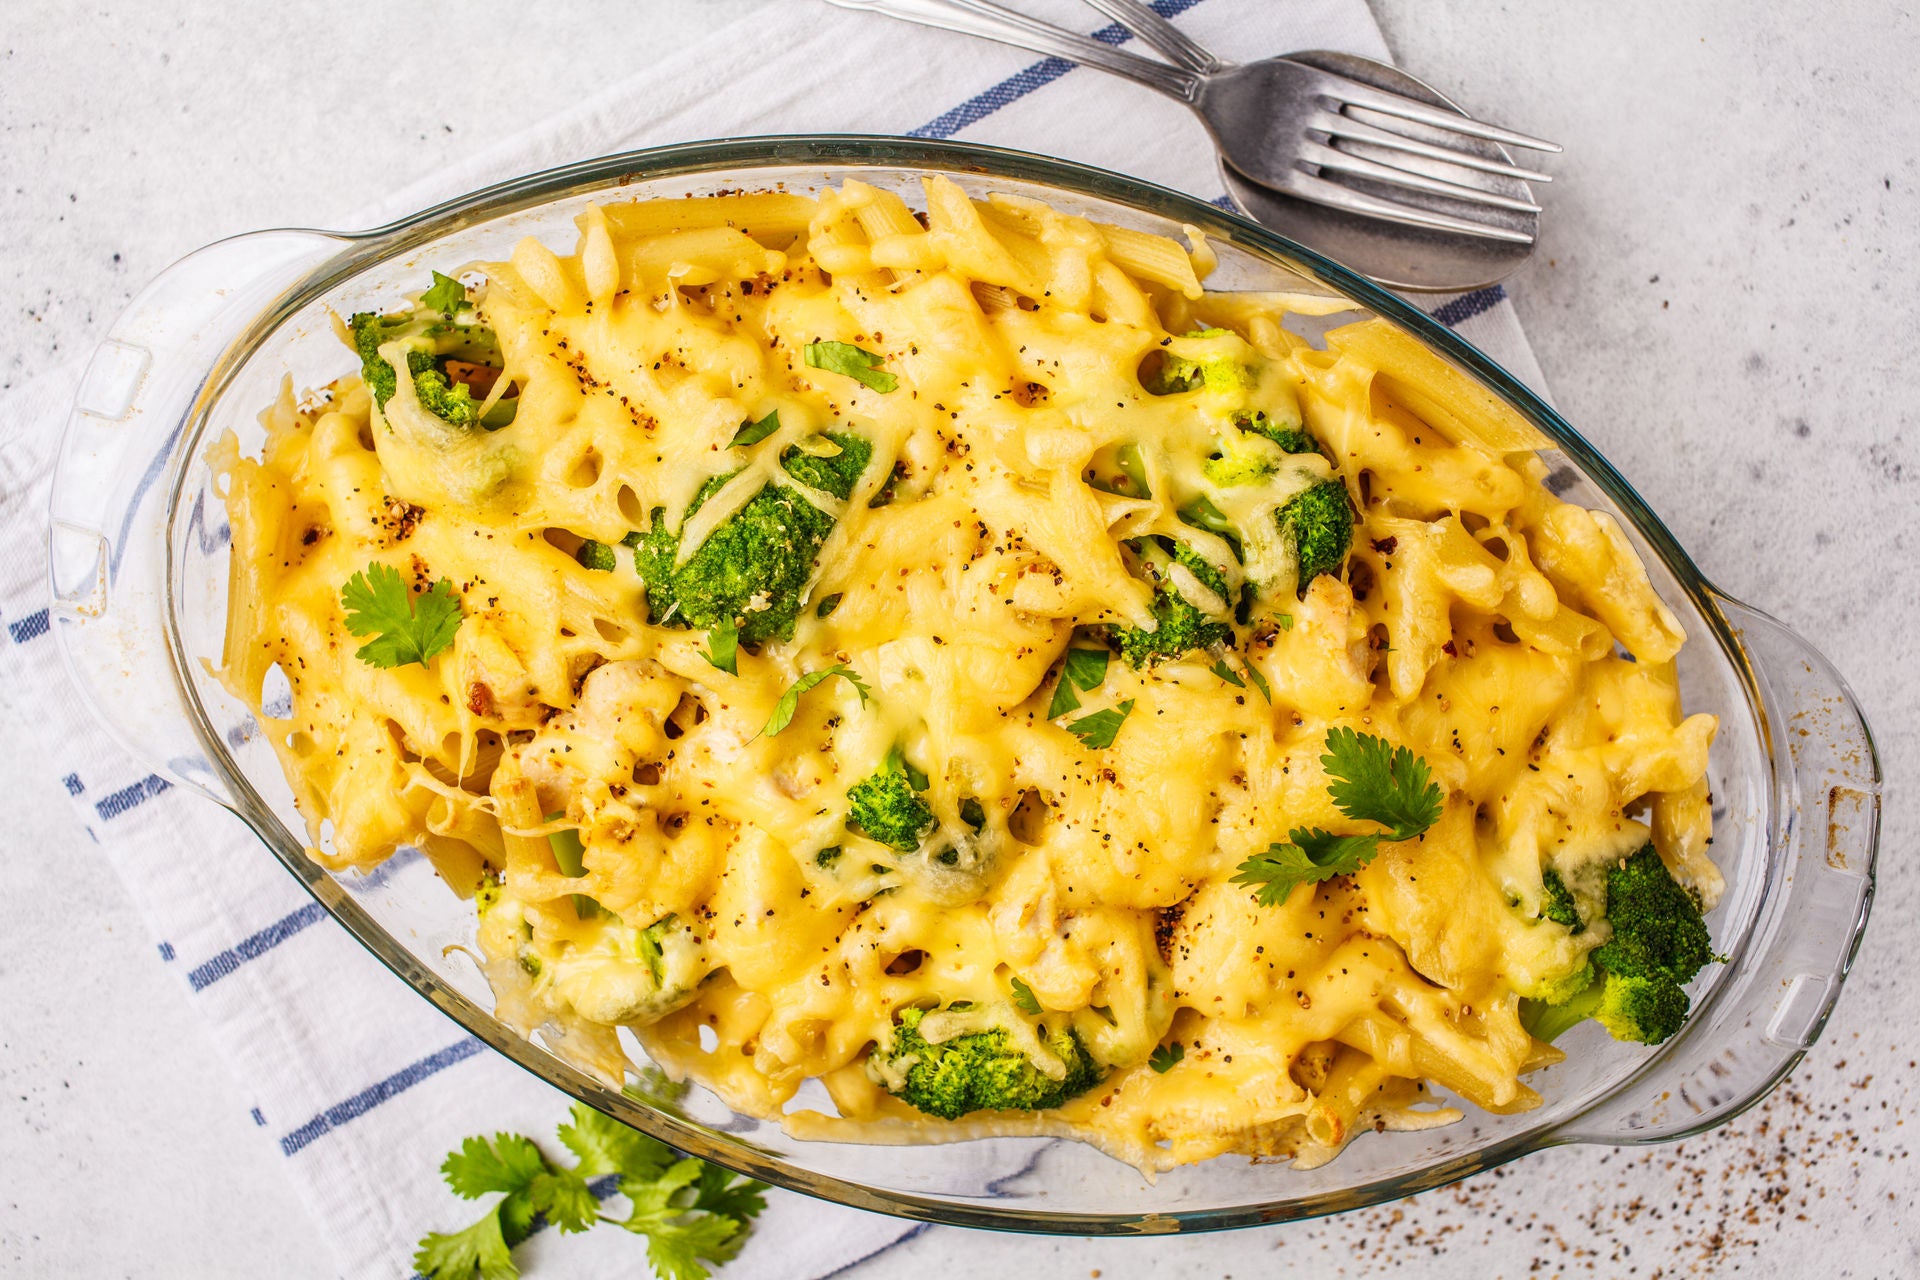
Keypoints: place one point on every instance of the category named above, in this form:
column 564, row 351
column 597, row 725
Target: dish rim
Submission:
column 361, row 250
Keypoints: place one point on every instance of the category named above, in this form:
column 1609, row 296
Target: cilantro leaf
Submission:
column 1378, row 782
column 508, row 1163
column 447, row 295
column 481, row 1250
column 755, row 432
column 783, row 710
column 676, row 1240
column 729, row 1194
column 604, row 1146
column 405, row 628
column 1085, row 669
column 1163, row 1058
column 723, row 648
column 1024, row 999
column 566, row 1200
column 855, row 362
column 1227, row 673
column 1312, row 856
column 1099, row 729
column 692, row 1214
column 1260, row 683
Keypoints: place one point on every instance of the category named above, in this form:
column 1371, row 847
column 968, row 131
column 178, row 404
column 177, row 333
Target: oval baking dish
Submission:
column 138, row 551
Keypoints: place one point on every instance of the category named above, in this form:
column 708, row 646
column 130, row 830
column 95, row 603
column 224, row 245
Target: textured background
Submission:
column 1723, row 301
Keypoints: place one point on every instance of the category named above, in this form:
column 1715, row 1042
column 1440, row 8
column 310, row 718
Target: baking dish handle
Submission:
column 118, row 461
column 1775, row 993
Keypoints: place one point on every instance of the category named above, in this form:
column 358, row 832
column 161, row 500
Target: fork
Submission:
column 1283, row 124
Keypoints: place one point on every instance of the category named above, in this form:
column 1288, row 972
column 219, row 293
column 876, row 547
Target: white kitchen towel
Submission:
column 361, row 1085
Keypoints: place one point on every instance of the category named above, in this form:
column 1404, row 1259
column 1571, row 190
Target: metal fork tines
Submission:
column 1291, row 126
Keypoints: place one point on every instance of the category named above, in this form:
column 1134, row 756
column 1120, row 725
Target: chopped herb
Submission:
column 855, row 362
column 723, row 648
column 447, row 295
column 1024, row 999
column 755, row 432
column 1098, row 730
column 828, row 605
column 1085, row 668
column 1163, row 1058
column 1227, row 673
column 783, row 710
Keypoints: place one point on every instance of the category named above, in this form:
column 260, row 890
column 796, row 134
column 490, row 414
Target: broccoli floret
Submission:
column 1182, row 625
column 753, row 570
column 979, row 1071
column 1291, row 439
column 1215, row 370
column 1660, row 941
column 887, row 807
column 1557, row 903
column 1320, row 523
column 432, row 340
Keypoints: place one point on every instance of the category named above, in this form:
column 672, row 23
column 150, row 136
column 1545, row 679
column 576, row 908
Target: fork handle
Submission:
column 1161, row 35
column 990, row 21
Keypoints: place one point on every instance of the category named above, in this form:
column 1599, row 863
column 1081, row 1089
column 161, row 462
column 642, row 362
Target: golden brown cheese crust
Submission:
column 1476, row 624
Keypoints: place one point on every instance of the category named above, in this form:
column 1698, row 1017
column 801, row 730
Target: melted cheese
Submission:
column 1476, row 623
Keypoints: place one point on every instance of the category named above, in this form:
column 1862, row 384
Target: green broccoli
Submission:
column 979, row 1071
column 1659, row 943
column 1183, row 626
column 1216, row 367
column 887, row 807
column 753, row 570
column 433, row 339
column 1291, row 437
column 1558, row 905
column 1319, row 522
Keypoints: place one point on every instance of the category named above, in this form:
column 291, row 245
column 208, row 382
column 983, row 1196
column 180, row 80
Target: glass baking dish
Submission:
column 138, row 553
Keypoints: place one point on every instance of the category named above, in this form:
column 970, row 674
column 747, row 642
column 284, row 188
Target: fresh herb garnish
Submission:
column 1163, row 1058
column 1098, row 730
column 405, row 628
column 755, row 432
column 828, row 605
column 723, row 648
column 783, row 710
column 861, row 365
column 1024, row 999
column 692, row 1214
column 1373, row 781
column 1086, row 668
column 1227, row 673
column 447, row 295
column 1260, row 683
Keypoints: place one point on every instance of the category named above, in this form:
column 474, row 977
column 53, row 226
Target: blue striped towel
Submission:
column 361, row 1085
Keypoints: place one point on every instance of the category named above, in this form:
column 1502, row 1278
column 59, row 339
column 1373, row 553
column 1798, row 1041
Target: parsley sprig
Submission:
column 1098, row 730
column 1373, row 781
column 789, row 704
column 405, row 628
column 1085, row 669
column 692, row 1213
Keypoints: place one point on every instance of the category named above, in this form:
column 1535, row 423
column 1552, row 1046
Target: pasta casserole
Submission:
column 949, row 661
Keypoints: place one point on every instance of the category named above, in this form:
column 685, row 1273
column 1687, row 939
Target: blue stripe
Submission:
column 74, row 786
column 166, row 952
column 367, row 1099
column 131, row 797
column 1044, row 72
column 1468, row 305
column 31, row 627
column 252, row 948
